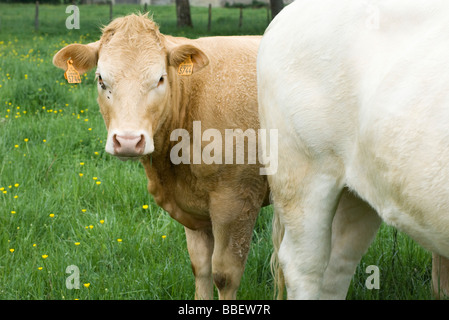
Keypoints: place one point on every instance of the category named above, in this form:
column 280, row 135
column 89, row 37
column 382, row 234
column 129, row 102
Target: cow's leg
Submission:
column 200, row 244
column 354, row 227
column 306, row 200
column 440, row 276
column 232, row 223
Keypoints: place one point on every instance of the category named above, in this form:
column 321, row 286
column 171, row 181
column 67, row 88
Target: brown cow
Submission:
column 144, row 100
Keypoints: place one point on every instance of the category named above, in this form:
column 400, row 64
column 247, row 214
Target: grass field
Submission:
column 64, row 201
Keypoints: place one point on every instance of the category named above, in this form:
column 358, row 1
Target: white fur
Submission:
column 357, row 105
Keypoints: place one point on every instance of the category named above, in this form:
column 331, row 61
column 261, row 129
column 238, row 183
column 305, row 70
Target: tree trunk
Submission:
column 183, row 14
column 276, row 7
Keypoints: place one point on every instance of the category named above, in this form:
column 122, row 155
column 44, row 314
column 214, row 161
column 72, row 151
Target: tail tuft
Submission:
column 276, row 270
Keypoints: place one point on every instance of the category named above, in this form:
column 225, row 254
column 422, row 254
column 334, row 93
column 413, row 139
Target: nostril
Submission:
column 115, row 141
column 140, row 146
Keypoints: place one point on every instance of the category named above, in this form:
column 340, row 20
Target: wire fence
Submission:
column 206, row 20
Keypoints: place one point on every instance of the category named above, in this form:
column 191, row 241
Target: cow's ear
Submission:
column 84, row 56
column 180, row 54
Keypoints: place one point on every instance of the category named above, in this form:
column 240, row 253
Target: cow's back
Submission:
column 226, row 91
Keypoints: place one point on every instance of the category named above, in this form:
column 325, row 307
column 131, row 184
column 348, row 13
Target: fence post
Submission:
column 110, row 10
column 241, row 17
column 268, row 15
column 36, row 17
column 209, row 20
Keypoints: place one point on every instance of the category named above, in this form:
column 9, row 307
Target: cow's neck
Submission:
column 178, row 114
column 160, row 170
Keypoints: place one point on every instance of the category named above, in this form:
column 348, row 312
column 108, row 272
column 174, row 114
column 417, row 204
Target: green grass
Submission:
column 56, row 208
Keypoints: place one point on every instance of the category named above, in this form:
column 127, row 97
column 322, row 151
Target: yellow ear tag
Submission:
column 186, row 67
column 71, row 74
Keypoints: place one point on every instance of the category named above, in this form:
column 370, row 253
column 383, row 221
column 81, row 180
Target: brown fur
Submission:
column 217, row 203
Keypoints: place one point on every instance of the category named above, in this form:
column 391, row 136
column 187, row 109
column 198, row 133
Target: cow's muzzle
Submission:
column 129, row 145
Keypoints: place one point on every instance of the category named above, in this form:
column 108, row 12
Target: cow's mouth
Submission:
column 126, row 158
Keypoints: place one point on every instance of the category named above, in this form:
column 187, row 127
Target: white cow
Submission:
column 359, row 91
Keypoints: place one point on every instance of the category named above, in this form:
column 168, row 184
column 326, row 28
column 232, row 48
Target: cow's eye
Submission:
column 161, row 81
column 101, row 83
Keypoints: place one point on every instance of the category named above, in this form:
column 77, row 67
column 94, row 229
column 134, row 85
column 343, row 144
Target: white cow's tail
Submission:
column 278, row 276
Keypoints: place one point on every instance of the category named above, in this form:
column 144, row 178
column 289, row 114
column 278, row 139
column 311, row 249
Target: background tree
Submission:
column 276, row 7
column 183, row 14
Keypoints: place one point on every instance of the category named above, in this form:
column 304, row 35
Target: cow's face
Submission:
column 136, row 66
column 133, row 93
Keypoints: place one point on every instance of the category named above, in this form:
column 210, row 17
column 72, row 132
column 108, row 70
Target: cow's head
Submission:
column 136, row 68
